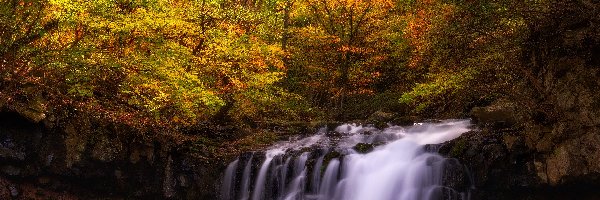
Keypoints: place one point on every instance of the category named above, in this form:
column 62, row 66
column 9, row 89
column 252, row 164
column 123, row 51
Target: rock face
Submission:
column 502, row 166
column 549, row 150
column 89, row 161
column 563, row 124
column 497, row 168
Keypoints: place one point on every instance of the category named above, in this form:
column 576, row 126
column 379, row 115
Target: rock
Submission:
column 14, row 192
column 59, row 159
column 33, row 115
column 560, row 104
column 557, row 166
column 455, row 176
column 363, row 147
column 573, row 160
column 34, row 110
column 106, row 149
column 118, row 174
column 7, row 153
column 49, row 159
column 380, row 117
column 168, row 182
column 75, row 143
column 500, row 114
column 182, row 181
column 11, row 170
column 494, row 168
column 44, row 180
column 405, row 120
column 142, row 152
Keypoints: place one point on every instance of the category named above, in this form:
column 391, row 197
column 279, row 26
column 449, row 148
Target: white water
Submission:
column 260, row 181
column 327, row 189
column 245, row 185
column 398, row 169
column 228, row 181
column 316, row 174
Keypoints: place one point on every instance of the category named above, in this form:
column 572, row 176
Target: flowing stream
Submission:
column 353, row 162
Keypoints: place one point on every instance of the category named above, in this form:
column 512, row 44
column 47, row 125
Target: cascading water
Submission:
column 316, row 174
column 327, row 166
column 245, row 184
column 228, row 180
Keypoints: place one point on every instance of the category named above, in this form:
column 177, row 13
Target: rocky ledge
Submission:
column 87, row 161
column 505, row 164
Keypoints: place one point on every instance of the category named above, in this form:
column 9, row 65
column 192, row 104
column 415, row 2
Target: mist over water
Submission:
column 328, row 166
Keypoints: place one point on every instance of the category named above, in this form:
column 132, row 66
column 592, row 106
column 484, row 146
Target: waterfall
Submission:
column 260, row 181
column 330, row 178
column 228, row 181
column 395, row 165
column 283, row 176
column 244, row 190
column 297, row 186
column 316, row 177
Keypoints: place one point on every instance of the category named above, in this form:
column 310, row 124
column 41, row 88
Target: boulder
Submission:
column 500, row 113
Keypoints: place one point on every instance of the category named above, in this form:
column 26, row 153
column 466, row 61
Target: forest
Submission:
column 177, row 63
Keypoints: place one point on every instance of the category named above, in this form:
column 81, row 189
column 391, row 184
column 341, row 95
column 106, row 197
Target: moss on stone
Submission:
column 364, row 147
column 459, row 147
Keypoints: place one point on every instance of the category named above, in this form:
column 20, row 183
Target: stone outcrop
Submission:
column 85, row 160
column 562, row 123
column 542, row 142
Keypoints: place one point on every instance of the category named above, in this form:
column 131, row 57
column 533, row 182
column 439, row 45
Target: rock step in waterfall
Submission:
column 395, row 164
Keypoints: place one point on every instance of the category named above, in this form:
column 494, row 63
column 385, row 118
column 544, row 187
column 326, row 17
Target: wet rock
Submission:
column 456, row 175
column 432, row 148
column 492, row 167
column 363, row 147
column 446, row 193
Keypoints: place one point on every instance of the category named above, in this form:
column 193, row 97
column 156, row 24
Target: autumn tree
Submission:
column 466, row 51
column 178, row 63
column 23, row 24
column 337, row 49
column 143, row 62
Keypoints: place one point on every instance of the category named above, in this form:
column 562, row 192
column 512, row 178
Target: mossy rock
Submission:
column 459, row 147
column 364, row 147
column 330, row 156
